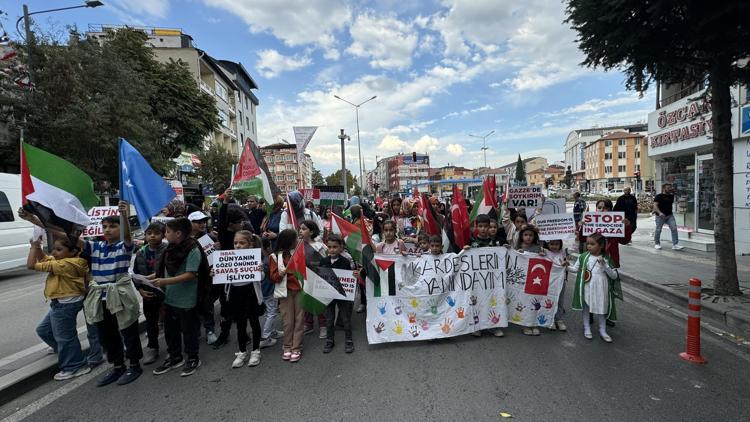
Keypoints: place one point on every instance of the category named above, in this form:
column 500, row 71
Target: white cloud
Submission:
column 387, row 41
column 296, row 22
column 454, row 149
column 464, row 113
column 480, row 23
column 495, row 85
column 595, row 104
column 426, row 144
column 271, row 63
column 153, row 8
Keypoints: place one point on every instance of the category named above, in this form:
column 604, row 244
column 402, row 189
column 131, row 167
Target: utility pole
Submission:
column 343, row 137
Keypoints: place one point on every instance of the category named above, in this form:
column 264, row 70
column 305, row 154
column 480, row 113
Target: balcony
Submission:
column 205, row 88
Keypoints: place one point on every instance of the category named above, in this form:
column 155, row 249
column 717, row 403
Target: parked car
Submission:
column 615, row 193
column 14, row 232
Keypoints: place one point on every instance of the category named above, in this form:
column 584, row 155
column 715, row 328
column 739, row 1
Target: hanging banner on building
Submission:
column 532, row 288
column 420, row 298
column 303, row 135
column 208, row 247
column 555, row 226
column 524, row 196
column 609, row 224
column 237, row 266
column 97, row 214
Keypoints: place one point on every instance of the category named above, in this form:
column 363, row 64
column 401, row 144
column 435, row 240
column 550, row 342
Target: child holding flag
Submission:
column 315, row 251
column 336, row 260
column 291, row 313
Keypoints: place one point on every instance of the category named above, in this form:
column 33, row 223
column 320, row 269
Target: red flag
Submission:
column 290, row 213
column 27, row 187
column 364, row 232
column 429, row 222
column 297, row 264
column 460, row 219
column 490, row 191
column 537, row 276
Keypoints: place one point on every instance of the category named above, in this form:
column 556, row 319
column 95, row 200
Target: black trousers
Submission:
column 207, row 313
column 243, row 306
column 345, row 316
column 152, row 311
column 182, row 326
column 119, row 344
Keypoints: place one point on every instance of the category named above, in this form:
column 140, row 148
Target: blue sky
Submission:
column 441, row 70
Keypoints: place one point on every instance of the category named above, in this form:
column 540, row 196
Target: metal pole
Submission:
column 343, row 164
column 359, row 152
column 29, row 42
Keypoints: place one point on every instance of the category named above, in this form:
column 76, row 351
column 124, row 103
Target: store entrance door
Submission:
column 705, row 199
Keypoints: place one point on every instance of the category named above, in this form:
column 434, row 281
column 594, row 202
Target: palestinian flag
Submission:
column 290, row 213
column 310, row 281
column 484, row 201
column 55, row 190
column 351, row 234
column 381, row 272
column 251, row 175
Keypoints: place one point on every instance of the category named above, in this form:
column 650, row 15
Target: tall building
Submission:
column 578, row 139
column 286, row 171
column 400, row 173
column 228, row 82
column 613, row 161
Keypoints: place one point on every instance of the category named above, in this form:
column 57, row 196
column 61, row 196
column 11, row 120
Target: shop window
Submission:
column 680, row 172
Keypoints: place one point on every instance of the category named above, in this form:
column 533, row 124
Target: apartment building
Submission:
column 401, row 173
column 577, row 140
column 618, row 160
column 288, row 173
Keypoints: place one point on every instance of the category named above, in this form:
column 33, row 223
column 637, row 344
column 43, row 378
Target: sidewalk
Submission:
column 665, row 274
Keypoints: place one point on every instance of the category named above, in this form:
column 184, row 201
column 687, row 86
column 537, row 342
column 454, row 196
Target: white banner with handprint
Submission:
column 532, row 288
column 421, row 298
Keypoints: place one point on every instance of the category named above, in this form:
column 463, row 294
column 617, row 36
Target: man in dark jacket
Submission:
column 629, row 205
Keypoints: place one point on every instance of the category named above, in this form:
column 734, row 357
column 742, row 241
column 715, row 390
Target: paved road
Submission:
column 557, row 376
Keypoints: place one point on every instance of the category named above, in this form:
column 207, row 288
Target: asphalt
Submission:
column 556, row 376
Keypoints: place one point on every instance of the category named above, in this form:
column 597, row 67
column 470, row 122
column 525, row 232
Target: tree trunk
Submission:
column 725, row 279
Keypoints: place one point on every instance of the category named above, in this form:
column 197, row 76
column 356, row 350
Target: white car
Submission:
column 14, row 232
column 615, row 193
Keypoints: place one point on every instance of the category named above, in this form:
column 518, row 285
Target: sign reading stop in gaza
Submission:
column 609, row 224
column 524, row 196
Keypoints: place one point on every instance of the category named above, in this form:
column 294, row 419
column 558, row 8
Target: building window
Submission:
column 608, row 169
column 608, row 143
column 240, row 112
column 621, row 142
column 637, row 167
column 221, row 91
column 290, row 167
column 638, row 154
column 270, row 159
column 253, row 126
column 621, row 169
column 290, row 177
column 223, row 118
column 607, row 155
column 247, row 121
column 621, row 154
column 292, row 187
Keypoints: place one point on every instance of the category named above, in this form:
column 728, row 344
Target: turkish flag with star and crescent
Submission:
column 537, row 276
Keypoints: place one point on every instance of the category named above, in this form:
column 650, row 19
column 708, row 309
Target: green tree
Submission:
column 216, row 167
column 87, row 95
column 520, row 172
column 678, row 42
column 317, row 178
column 335, row 180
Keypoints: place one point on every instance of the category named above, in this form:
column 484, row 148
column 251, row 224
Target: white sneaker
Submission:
column 268, row 342
column 498, row 332
column 65, row 375
column 677, row 247
column 254, row 358
column 323, row 333
column 239, row 360
column 211, row 337
column 657, row 246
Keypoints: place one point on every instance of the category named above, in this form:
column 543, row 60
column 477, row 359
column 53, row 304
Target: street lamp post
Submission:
column 359, row 146
column 484, row 144
column 343, row 137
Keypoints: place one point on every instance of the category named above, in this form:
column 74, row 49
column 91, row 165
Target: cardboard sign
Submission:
column 238, row 266
column 208, row 247
column 524, row 197
column 609, row 224
column 97, row 214
column 554, row 206
column 161, row 219
column 555, row 226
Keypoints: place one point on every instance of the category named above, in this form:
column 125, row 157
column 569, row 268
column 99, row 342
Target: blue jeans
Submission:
column 669, row 220
column 58, row 330
column 95, row 355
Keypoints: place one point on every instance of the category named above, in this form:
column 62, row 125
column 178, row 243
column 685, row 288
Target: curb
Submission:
column 38, row 372
column 732, row 320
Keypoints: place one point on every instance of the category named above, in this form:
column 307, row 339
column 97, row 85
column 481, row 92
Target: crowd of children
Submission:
column 172, row 277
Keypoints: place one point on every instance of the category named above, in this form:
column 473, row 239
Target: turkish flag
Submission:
column 537, row 276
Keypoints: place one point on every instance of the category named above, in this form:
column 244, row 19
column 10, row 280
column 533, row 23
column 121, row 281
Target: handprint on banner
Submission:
column 548, row 304
column 412, row 318
column 476, row 317
column 493, row 300
column 425, row 325
column 494, row 318
column 381, row 307
column 447, row 325
column 414, row 302
column 433, row 306
column 451, row 301
column 520, row 307
column 414, row 331
column 460, row 313
column 380, row 327
column 398, row 329
column 516, row 318
column 397, row 307
column 542, row 319
column 535, row 305
column 473, row 300
column 510, row 297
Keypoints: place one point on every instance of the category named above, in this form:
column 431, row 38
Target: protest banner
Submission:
column 312, row 195
column 609, row 224
column 420, row 298
column 238, row 266
column 331, row 283
column 97, row 214
column 555, row 226
column 208, row 247
column 524, row 196
column 553, row 206
column 533, row 285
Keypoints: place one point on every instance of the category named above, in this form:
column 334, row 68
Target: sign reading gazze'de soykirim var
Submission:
column 524, row 196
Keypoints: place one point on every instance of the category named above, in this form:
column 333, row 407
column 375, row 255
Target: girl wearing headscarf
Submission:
column 298, row 207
